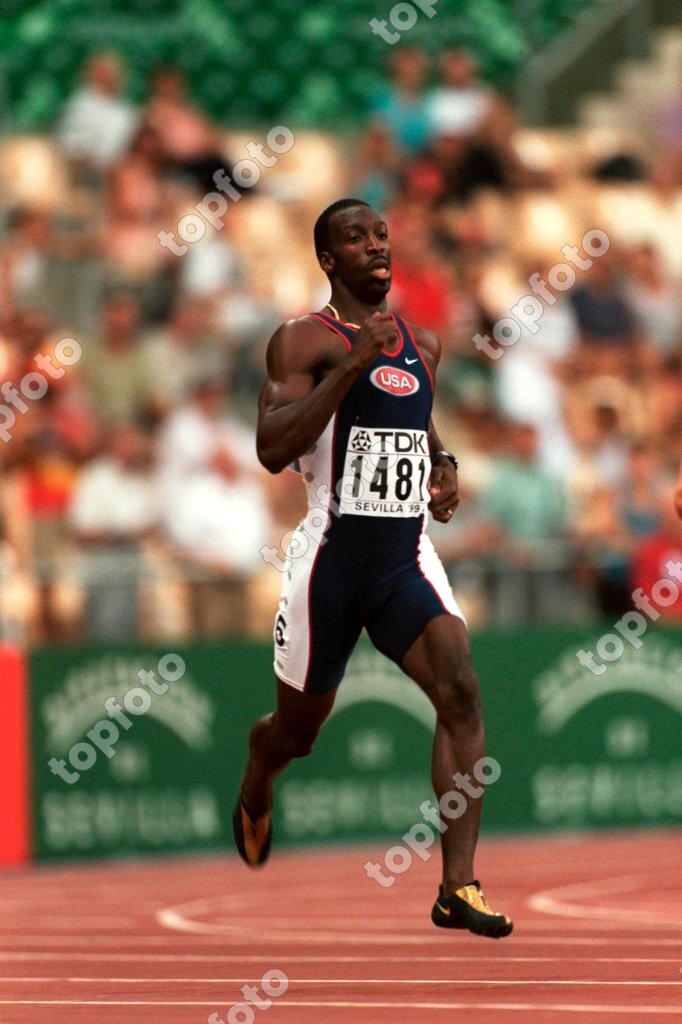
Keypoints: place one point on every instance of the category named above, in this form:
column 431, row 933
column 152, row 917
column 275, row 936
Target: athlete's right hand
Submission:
column 377, row 332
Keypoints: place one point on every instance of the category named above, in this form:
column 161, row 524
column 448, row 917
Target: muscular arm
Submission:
column 308, row 375
column 295, row 405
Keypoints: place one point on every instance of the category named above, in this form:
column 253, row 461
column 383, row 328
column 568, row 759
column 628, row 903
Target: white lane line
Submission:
column 300, row 959
column 240, row 934
column 101, row 927
column 345, row 981
column 16, row 937
column 214, row 916
column 67, row 953
column 525, row 1007
column 176, row 942
column 528, row 924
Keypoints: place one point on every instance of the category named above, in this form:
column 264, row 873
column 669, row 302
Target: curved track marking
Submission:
column 557, row 901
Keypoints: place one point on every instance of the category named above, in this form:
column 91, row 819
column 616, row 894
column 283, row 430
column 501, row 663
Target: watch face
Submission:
column 448, row 455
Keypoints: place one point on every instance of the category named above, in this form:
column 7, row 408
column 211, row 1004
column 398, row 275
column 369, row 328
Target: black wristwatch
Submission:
column 448, row 455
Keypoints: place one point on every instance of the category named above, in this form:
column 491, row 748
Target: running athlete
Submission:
column 348, row 399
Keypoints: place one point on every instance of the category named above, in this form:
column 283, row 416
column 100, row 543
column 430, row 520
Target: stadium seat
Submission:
column 241, row 61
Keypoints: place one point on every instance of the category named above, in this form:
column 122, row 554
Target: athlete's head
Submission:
column 351, row 242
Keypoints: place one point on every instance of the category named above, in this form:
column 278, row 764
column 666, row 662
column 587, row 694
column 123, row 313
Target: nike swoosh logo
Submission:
column 445, row 910
column 410, row 361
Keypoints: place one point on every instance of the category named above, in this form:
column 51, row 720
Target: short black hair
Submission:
column 321, row 232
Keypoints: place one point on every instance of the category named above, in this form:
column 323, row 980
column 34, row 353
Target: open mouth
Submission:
column 381, row 270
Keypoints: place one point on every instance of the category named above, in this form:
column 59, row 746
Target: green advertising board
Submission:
column 171, row 779
column 575, row 749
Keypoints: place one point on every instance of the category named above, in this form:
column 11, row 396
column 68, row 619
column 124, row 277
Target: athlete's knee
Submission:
column 297, row 741
column 260, row 730
column 457, row 698
column 298, row 744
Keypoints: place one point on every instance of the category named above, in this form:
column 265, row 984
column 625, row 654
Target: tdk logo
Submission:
column 400, row 442
column 395, row 382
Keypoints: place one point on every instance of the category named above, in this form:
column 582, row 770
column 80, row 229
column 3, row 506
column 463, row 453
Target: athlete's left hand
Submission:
column 443, row 489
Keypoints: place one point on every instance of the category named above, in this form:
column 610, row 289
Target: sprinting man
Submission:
column 348, row 398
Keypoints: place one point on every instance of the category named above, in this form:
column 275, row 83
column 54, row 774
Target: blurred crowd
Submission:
column 131, row 499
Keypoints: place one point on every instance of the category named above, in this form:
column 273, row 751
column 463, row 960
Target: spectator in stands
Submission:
column 520, row 506
column 461, row 105
column 378, row 168
column 617, row 521
column 138, row 207
column 214, row 507
column 641, row 492
column 604, row 512
column 522, row 503
column 601, row 423
column 116, row 367
column 466, row 376
column 29, row 332
column 114, row 507
column 522, row 526
column 662, row 389
column 655, row 301
column 606, row 319
column 44, row 471
column 402, row 107
column 663, row 212
column 189, row 142
column 136, row 182
column 97, row 123
column 25, row 260
column 669, row 127
column 523, row 511
column 18, row 596
column 421, row 283
column 212, row 266
column 470, row 129
column 529, row 374
column 181, row 353
column 653, row 555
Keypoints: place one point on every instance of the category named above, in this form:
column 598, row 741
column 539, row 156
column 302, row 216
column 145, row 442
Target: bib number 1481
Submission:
column 403, row 473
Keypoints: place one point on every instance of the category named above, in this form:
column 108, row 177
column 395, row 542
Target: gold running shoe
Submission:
column 253, row 836
column 467, row 908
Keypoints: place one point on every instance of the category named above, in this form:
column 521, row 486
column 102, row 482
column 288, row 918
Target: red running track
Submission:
column 598, row 938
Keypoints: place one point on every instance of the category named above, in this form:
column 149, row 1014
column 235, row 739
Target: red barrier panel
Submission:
column 14, row 758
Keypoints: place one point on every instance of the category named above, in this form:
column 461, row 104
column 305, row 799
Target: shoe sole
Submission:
column 492, row 930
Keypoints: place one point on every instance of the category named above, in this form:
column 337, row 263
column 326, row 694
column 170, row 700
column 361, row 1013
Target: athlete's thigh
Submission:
column 317, row 623
column 440, row 654
column 407, row 605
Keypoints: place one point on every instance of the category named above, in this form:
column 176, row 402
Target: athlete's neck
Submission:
column 352, row 310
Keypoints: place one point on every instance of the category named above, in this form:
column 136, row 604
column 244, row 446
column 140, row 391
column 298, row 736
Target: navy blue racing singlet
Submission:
column 373, row 457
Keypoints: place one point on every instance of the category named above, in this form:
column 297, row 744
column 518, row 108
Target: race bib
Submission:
column 385, row 473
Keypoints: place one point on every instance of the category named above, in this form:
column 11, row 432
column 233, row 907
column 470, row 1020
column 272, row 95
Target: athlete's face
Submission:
column 360, row 255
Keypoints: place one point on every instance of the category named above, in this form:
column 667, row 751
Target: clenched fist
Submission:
column 377, row 332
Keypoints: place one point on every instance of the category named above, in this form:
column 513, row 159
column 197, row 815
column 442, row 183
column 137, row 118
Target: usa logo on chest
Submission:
column 395, row 381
